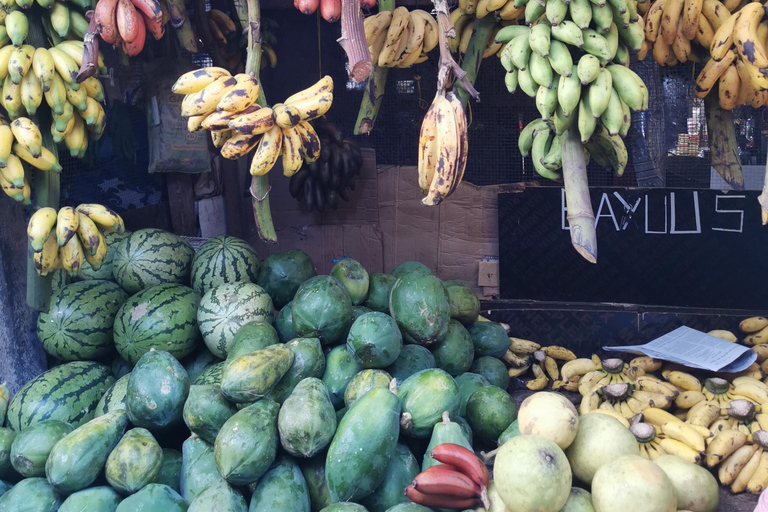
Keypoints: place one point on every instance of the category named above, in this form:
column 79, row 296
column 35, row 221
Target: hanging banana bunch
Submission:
column 226, row 106
column 507, row 10
column 63, row 239
column 400, row 39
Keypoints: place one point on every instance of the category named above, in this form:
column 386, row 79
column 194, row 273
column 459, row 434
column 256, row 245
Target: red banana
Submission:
column 156, row 29
column 441, row 468
column 150, row 8
column 127, row 20
column 465, row 460
column 367, row 4
column 106, row 23
column 134, row 47
column 307, row 6
column 330, row 10
column 441, row 501
column 446, row 483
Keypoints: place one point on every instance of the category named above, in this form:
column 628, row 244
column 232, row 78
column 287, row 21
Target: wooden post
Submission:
column 352, row 40
column 581, row 217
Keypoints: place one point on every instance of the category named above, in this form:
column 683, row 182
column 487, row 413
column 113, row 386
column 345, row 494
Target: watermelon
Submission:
column 322, row 309
column 68, row 392
column 455, row 352
column 378, row 292
column 225, row 309
column 224, row 259
column 149, row 257
column 212, row 374
column 157, row 389
column 489, row 338
column 465, row 306
column 284, row 324
column 374, row 340
column 105, row 271
column 412, row 359
column 163, row 317
column 78, row 323
column 420, row 306
column 408, row 267
column 354, row 277
column 282, row 273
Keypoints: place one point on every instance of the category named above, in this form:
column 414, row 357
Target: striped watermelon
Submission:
column 78, row 324
column 68, row 392
column 163, row 317
column 105, row 271
column 114, row 398
column 224, row 259
column 211, row 375
column 149, row 257
column 226, row 308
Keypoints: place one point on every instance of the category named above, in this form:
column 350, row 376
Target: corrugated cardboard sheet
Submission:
column 385, row 224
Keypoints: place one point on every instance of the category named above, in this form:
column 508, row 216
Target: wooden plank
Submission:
column 181, row 199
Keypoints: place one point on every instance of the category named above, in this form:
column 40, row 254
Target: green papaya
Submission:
column 363, row 382
column 322, row 308
column 464, row 304
column 307, row 421
column 424, row 397
column 198, row 468
column 409, row 507
column 374, row 340
column 340, row 368
column 31, row 447
column 466, row 429
column 4, row 487
column 76, row 460
column 402, row 469
column 446, row 431
column 211, row 375
column 135, row 461
column 469, row 383
column 206, row 410
column 248, row 378
column 219, row 496
column 455, row 352
column 93, row 499
column 313, row 470
column 579, row 500
column 340, row 414
column 199, row 361
column 489, row 339
column 344, row 507
column 7, row 437
column 408, row 267
column 284, row 324
column 492, row 369
column 251, row 337
column 513, row 430
column 30, row 495
column 247, row 443
column 353, row 277
column 308, row 361
column 420, row 306
column 490, row 410
column 281, row 489
column 153, row 498
column 157, row 389
column 357, row 312
column 114, row 398
column 412, row 359
column 170, row 471
column 363, row 446
column 379, row 288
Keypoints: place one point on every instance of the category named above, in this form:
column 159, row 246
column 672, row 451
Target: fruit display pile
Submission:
column 211, row 380
column 227, row 106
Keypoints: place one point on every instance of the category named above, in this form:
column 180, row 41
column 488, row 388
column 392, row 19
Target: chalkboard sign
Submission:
column 671, row 247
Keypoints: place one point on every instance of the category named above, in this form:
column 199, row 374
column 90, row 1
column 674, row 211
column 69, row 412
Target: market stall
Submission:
column 393, row 256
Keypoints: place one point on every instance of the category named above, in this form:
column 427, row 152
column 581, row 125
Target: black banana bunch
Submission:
column 332, row 177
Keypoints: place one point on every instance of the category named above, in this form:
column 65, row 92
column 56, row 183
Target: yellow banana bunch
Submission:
column 671, row 438
column 506, row 9
column 607, row 371
column 65, row 238
column 400, row 38
column 624, row 398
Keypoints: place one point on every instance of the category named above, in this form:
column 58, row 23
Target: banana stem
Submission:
column 262, row 214
column 352, row 40
column 581, row 217
column 723, row 149
column 447, row 65
column 374, row 89
column 763, row 199
column 481, row 33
